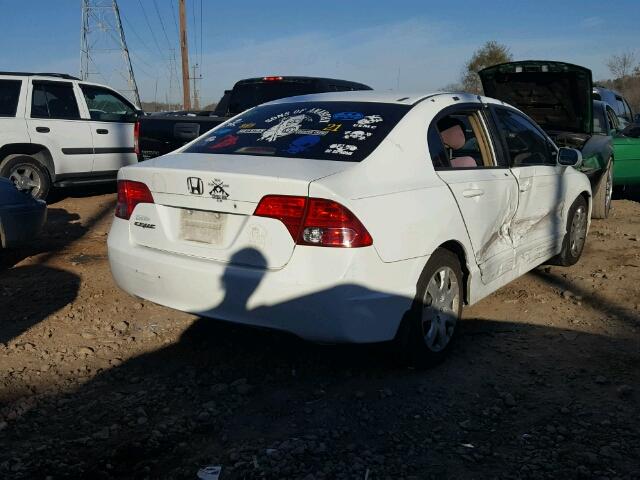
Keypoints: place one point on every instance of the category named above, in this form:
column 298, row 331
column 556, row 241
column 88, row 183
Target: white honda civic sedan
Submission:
column 350, row 217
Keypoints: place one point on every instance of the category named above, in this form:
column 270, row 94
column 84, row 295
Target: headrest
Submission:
column 463, row 162
column 453, row 137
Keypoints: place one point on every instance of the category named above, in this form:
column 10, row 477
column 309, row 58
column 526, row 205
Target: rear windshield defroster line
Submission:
column 344, row 131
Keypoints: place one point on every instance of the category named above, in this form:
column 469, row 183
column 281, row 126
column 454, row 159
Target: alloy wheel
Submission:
column 578, row 232
column 440, row 309
column 26, row 179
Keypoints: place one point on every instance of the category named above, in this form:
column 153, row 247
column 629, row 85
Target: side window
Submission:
column 54, row 100
column 460, row 141
column 612, row 118
column 9, row 96
column 599, row 120
column 106, row 106
column 525, row 144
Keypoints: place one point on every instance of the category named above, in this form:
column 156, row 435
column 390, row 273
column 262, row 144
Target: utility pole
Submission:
column 102, row 34
column 184, row 49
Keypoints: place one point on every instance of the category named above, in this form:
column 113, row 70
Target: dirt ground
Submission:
column 544, row 381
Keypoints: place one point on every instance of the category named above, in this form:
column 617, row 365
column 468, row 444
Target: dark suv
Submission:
column 616, row 101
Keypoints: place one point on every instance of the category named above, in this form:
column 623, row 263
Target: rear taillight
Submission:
column 286, row 208
column 136, row 137
column 272, row 78
column 316, row 221
column 130, row 194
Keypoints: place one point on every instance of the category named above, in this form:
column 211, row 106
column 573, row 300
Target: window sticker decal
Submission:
column 324, row 116
column 247, row 125
column 368, row 122
column 287, row 126
column 348, row 116
column 356, row 135
column 311, row 132
column 234, row 123
column 223, row 131
column 333, row 127
column 251, row 130
column 341, row 149
column 301, row 144
column 226, row 141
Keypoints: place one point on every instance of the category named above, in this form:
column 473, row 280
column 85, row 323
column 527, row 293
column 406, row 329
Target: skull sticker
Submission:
column 341, row 149
column 356, row 135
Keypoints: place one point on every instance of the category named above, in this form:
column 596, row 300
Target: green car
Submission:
column 557, row 96
column 626, row 145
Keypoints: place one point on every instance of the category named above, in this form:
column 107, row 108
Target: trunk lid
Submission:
column 556, row 95
column 204, row 205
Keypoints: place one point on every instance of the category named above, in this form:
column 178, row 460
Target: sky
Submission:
column 407, row 45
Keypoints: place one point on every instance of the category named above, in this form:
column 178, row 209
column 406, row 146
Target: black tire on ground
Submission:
column 428, row 330
column 602, row 193
column 575, row 238
column 28, row 175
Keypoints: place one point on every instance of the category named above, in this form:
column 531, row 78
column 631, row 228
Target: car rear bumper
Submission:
column 21, row 224
column 322, row 294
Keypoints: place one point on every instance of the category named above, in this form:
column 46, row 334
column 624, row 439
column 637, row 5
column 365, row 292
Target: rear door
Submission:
column 112, row 122
column 484, row 188
column 54, row 121
column 537, row 226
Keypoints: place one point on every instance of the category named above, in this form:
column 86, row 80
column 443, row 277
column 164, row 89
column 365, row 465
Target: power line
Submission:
column 166, row 37
column 153, row 35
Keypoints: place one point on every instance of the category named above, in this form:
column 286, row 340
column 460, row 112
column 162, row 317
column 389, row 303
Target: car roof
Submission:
column 36, row 74
column 377, row 96
column 301, row 79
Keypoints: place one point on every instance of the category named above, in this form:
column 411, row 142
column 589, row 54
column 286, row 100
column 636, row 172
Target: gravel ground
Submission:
column 544, row 381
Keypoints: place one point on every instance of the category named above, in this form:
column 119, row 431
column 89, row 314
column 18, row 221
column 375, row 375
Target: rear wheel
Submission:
column 28, row 175
column 574, row 239
column 427, row 333
column 602, row 193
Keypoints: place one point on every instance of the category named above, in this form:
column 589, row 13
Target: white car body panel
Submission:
column 255, row 274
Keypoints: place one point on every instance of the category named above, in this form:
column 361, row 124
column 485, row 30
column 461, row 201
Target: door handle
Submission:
column 472, row 193
column 525, row 187
column 42, row 129
column 102, row 131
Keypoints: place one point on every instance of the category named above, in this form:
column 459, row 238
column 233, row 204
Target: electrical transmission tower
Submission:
column 103, row 48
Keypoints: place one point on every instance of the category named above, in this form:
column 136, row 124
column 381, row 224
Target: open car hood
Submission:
column 556, row 95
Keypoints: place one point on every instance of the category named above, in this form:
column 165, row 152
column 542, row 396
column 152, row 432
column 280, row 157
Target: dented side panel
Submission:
column 488, row 200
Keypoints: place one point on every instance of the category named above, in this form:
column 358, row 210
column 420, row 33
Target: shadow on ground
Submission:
column 47, row 290
column 513, row 401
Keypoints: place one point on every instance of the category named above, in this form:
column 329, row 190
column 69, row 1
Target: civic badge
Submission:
column 195, row 186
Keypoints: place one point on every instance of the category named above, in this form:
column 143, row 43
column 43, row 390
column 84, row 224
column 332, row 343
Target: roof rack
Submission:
column 33, row 74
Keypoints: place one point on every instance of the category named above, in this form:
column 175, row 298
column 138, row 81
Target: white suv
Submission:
column 58, row 130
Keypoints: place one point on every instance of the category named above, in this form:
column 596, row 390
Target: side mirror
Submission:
column 569, row 157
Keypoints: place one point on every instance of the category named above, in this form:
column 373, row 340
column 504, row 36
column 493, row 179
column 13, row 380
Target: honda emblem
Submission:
column 195, row 186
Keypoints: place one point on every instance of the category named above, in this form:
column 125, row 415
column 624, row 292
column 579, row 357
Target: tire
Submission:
column 575, row 238
column 426, row 334
column 602, row 193
column 28, row 175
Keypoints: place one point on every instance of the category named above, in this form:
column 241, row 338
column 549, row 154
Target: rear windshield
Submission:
column 9, row 94
column 346, row 131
